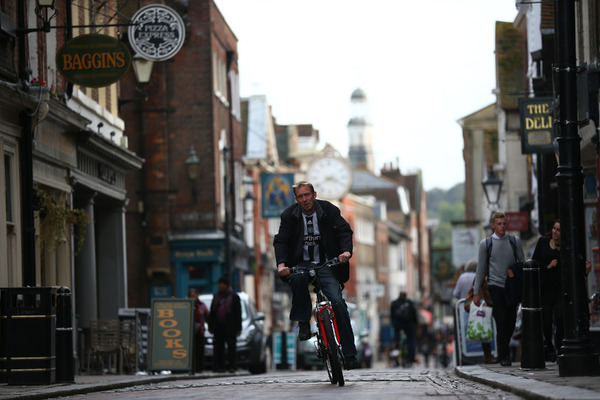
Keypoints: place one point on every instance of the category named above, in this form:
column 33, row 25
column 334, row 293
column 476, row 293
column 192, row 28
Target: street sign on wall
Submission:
column 93, row 60
column 172, row 335
column 517, row 221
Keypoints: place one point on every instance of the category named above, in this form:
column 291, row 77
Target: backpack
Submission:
column 404, row 311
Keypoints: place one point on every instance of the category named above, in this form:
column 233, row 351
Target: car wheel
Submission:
column 258, row 368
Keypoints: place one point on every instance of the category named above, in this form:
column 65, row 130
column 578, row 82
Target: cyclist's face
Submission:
column 499, row 226
column 306, row 198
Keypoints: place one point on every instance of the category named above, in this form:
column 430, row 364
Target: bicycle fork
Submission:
column 319, row 317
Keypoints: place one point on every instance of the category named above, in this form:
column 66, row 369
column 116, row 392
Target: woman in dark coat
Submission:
column 547, row 254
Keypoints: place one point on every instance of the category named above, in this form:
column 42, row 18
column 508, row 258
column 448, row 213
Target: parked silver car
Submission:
column 251, row 343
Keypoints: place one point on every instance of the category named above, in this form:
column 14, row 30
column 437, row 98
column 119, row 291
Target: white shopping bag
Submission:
column 479, row 327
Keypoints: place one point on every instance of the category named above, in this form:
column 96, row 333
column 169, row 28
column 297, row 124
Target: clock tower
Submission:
column 360, row 150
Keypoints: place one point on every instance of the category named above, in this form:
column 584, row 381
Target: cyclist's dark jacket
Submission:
column 336, row 236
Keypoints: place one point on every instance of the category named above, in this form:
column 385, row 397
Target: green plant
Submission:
column 56, row 218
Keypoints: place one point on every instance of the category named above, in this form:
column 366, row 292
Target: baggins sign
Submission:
column 93, row 60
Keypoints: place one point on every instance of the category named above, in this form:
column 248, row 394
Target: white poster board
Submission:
column 465, row 244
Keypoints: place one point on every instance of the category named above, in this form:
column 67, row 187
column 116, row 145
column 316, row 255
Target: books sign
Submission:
column 157, row 32
column 172, row 335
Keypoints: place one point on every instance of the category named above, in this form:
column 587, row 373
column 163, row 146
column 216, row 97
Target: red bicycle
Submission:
column 327, row 345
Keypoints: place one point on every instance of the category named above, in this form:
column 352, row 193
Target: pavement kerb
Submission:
column 524, row 387
column 41, row 392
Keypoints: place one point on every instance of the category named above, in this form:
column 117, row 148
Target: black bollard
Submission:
column 532, row 338
column 64, row 337
column 284, row 358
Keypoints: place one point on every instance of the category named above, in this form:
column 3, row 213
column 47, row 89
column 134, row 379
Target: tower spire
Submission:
column 360, row 150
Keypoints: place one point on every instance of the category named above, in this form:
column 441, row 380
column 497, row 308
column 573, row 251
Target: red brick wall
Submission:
column 182, row 111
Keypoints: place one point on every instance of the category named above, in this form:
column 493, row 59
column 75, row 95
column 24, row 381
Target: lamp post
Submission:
column 192, row 165
column 492, row 188
column 577, row 357
column 26, row 148
column 248, row 201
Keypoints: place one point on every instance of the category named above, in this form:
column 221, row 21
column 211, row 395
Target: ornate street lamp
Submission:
column 492, row 188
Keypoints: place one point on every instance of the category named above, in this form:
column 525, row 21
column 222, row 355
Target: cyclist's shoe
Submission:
column 304, row 333
column 352, row 362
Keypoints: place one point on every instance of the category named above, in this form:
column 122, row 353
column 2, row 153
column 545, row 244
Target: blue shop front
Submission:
column 199, row 260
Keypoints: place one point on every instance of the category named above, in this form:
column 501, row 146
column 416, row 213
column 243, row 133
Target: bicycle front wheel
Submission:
column 334, row 359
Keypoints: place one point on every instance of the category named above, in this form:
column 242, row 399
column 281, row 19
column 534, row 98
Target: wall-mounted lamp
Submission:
column 192, row 165
column 142, row 69
column 492, row 188
column 42, row 10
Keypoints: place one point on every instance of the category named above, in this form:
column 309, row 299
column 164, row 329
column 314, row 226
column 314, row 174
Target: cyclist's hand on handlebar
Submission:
column 344, row 257
column 282, row 270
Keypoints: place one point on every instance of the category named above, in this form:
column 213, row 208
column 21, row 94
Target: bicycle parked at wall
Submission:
column 328, row 346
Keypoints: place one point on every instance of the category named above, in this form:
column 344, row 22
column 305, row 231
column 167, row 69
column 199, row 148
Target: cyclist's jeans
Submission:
column 302, row 306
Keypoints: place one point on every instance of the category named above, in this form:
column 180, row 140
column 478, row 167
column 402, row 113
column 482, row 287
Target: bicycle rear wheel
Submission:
column 334, row 360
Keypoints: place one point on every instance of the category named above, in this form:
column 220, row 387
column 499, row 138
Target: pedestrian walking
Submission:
column 496, row 254
column 404, row 320
column 225, row 323
column 201, row 314
column 547, row 254
column 464, row 284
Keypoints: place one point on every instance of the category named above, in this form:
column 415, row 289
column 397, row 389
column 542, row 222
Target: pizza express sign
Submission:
column 157, row 32
column 93, row 60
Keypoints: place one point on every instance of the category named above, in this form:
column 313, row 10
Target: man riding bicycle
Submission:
column 313, row 231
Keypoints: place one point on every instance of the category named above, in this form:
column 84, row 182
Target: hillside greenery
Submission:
column 445, row 206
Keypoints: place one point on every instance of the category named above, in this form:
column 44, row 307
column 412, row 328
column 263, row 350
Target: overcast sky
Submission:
column 423, row 65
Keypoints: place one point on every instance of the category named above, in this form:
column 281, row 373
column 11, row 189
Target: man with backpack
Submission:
column 404, row 319
column 496, row 254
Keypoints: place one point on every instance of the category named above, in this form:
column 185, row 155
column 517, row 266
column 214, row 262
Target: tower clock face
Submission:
column 331, row 177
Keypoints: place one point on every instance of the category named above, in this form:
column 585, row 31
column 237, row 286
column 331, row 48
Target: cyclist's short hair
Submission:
column 301, row 184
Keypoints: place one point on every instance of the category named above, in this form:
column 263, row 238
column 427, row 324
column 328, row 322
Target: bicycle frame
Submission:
column 328, row 346
column 324, row 304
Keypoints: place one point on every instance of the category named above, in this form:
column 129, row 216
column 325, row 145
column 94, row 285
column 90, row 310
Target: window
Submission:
column 236, row 109
column 220, row 77
column 8, row 188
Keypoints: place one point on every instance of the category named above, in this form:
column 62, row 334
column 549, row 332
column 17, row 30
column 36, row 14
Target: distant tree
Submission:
column 445, row 206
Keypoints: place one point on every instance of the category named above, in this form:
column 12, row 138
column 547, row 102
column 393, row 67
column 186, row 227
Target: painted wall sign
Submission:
column 277, row 193
column 93, row 60
column 171, row 337
column 157, row 33
column 537, row 129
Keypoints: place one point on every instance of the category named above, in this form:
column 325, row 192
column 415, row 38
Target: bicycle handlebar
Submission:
column 312, row 270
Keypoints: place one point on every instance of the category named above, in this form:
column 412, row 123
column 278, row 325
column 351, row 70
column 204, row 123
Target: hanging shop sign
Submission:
column 537, row 129
column 157, row 32
column 93, row 60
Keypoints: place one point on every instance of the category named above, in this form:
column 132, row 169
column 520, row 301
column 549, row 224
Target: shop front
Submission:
column 199, row 261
